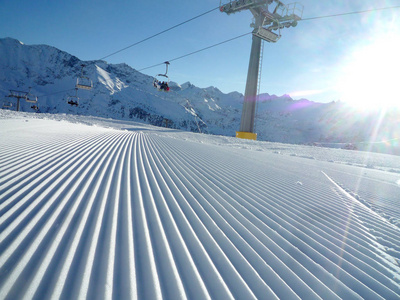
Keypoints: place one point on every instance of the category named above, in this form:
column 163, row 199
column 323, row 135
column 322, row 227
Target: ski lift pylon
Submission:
column 158, row 81
column 83, row 82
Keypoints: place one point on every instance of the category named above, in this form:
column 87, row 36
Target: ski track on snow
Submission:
column 90, row 212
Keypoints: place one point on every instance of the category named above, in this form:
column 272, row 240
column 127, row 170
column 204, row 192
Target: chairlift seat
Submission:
column 7, row 105
column 157, row 83
column 84, row 83
column 31, row 99
column 73, row 102
column 157, row 79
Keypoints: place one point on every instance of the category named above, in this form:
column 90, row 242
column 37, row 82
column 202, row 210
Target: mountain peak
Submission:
column 187, row 85
column 11, row 41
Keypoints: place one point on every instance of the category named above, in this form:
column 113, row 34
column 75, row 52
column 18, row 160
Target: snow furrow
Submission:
column 172, row 287
column 28, row 194
column 254, row 238
column 30, row 157
column 199, row 257
column 72, row 268
column 329, row 241
column 196, row 287
column 41, row 158
column 94, row 278
column 262, row 291
column 148, row 283
column 62, row 233
column 48, row 214
column 91, row 213
column 258, row 264
column 368, row 280
column 340, row 251
column 208, row 236
column 284, row 255
column 33, row 180
column 14, row 153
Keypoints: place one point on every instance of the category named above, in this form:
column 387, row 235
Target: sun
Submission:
column 371, row 77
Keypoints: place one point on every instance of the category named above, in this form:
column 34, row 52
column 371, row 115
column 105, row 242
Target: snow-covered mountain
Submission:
column 121, row 92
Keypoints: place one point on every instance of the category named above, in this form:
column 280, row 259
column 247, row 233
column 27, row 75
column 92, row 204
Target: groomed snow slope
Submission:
column 95, row 208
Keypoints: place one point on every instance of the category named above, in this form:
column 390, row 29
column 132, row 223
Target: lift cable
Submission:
column 226, row 41
column 351, row 13
column 303, row 19
column 150, row 37
column 58, row 92
column 217, row 8
column 197, row 51
column 161, row 32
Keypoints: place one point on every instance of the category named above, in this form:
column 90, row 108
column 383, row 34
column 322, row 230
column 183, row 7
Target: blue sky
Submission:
column 319, row 59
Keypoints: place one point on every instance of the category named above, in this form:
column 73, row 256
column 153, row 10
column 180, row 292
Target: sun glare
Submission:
column 371, row 78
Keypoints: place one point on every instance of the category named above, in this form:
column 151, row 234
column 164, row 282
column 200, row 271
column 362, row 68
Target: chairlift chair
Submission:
column 30, row 97
column 83, row 82
column 157, row 82
column 73, row 100
column 7, row 104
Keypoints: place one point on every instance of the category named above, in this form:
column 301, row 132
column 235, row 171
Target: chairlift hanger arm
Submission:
column 166, row 67
column 162, row 75
column 17, row 94
column 240, row 5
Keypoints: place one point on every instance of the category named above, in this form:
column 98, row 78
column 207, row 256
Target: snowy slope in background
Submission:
column 121, row 92
column 99, row 208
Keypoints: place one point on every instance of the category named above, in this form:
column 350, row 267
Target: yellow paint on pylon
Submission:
column 246, row 135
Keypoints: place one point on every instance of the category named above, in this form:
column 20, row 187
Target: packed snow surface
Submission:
column 97, row 208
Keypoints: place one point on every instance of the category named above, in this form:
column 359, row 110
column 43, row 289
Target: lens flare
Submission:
column 370, row 78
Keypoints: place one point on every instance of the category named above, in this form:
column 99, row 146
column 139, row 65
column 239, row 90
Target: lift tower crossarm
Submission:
column 240, row 5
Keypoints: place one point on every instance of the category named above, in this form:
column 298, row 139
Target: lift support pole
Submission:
column 246, row 130
column 283, row 16
column 19, row 95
